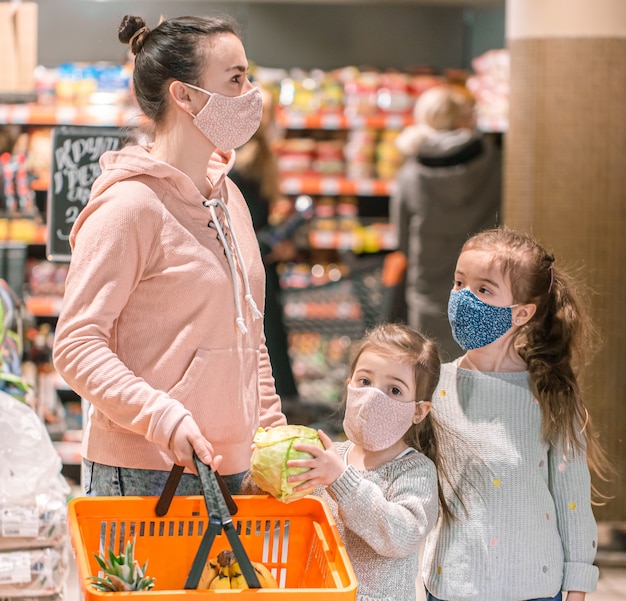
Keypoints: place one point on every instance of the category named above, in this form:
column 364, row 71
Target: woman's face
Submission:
column 226, row 71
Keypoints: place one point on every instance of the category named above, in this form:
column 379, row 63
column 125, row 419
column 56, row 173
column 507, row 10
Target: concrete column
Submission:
column 565, row 175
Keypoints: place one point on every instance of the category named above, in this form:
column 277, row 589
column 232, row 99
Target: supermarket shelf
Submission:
column 293, row 120
column 96, row 115
column 20, row 229
column 334, row 186
column 323, row 311
column 364, row 239
column 44, row 306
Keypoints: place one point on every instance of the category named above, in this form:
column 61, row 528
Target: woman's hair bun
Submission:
column 133, row 31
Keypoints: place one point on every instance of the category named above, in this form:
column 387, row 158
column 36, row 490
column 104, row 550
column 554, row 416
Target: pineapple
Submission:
column 122, row 572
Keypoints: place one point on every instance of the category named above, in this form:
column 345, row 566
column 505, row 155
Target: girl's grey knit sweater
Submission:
column 383, row 516
column 529, row 530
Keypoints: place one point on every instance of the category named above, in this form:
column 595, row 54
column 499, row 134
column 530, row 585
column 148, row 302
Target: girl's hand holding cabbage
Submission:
column 274, row 448
column 321, row 468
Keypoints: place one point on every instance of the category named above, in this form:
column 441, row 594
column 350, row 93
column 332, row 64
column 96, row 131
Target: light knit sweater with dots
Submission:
column 529, row 531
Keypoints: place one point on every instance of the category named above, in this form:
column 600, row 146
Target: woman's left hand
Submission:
column 324, row 467
column 575, row 596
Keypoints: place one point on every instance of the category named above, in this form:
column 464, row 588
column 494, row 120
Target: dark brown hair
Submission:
column 174, row 50
column 406, row 345
column 554, row 343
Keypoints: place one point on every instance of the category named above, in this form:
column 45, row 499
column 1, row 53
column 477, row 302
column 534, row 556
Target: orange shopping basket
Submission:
column 298, row 542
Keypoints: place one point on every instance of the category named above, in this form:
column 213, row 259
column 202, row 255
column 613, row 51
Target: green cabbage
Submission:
column 268, row 465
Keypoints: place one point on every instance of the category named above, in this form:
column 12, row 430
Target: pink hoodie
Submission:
column 148, row 332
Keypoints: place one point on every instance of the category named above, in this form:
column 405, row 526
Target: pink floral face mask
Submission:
column 229, row 121
column 374, row 420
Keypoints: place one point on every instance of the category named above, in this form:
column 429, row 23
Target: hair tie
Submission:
column 551, row 278
column 135, row 35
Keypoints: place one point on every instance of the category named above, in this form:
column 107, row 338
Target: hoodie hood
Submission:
column 135, row 160
column 446, row 146
column 453, row 167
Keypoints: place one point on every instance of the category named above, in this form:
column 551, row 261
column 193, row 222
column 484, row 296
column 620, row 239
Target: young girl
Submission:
column 527, row 530
column 382, row 483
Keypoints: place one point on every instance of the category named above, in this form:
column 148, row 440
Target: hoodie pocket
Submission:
column 220, row 388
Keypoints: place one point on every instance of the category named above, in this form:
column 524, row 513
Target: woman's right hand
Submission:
column 186, row 439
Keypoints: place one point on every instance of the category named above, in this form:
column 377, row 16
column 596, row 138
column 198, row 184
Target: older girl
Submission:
column 528, row 531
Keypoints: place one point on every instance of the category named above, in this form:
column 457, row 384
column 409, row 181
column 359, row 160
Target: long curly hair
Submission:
column 554, row 343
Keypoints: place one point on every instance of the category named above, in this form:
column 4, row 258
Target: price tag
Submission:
column 394, row 122
column 389, row 240
column 358, row 122
column 19, row 522
column 365, row 187
column 66, row 114
column 291, row 185
column 329, row 185
column 296, row 120
column 322, row 239
column 332, row 121
column 345, row 240
column 21, row 113
column 14, row 568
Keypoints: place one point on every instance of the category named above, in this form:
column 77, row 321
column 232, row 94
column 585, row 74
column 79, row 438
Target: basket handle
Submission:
column 165, row 500
column 219, row 520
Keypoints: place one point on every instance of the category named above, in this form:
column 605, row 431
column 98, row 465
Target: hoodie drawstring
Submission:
column 211, row 204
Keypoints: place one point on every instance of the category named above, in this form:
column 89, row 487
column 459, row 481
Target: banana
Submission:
column 237, row 579
column 222, row 580
column 224, row 571
column 266, row 579
column 209, row 573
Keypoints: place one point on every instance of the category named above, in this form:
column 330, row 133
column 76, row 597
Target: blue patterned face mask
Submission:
column 474, row 323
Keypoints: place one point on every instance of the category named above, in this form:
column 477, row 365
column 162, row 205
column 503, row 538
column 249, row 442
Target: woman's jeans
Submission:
column 105, row 480
column 559, row 597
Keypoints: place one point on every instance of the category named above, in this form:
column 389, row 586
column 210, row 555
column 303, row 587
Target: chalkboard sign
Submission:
column 74, row 167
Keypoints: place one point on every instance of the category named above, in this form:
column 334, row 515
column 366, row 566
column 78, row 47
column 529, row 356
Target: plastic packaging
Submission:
column 33, row 493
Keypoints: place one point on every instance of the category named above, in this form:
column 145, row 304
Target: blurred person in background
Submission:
column 449, row 187
column 256, row 175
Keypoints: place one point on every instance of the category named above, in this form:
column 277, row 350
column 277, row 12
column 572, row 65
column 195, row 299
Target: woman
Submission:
column 160, row 329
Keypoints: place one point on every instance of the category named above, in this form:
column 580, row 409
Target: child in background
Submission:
column 255, row 173
column 528, row 531
column 381, row 484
